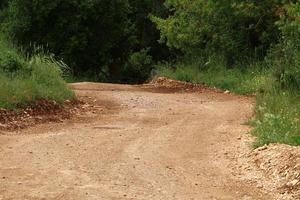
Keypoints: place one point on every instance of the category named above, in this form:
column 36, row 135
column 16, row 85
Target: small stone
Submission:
column 292, row 183
column 262, row 148
column 3, row 125
column 168, row 167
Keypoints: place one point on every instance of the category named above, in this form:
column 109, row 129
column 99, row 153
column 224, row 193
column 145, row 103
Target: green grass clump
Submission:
column 239, row 81
column 26, row 80
column 277, row 118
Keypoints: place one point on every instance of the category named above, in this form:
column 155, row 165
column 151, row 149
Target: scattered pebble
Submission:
column 281, row 165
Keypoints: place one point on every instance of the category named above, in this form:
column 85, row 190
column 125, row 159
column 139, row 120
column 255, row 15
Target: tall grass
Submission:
column 215, row 74
column 277, row 118
column 24, row 80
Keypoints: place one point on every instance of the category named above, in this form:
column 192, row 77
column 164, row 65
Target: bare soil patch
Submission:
column 163, row 84
column 42, row 111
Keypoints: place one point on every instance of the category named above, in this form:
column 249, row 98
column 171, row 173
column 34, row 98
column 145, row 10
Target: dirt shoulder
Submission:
column 138, row 142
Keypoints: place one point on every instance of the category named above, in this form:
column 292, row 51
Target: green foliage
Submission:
column 94, row 37
column 3, row 3
column 278, row 109
column 86, row 34
column 138, row 67
column 285, row 57
column 241, row 29
column 11, row 62
column 25, row 80
column 233, row 29
column 146, row 32
column 277, row 112
column 215, row 74
column 277, row 118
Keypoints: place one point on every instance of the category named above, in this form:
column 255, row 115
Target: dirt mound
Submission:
column 174, row 85
column 40, row 112
column 281, row 164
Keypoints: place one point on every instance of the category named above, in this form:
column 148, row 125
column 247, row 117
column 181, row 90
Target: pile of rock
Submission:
column 163, row 82
column 281, row 164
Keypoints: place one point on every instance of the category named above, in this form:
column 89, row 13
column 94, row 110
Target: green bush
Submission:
column 86, row 34
column 95, row 38
column 285, row 57
column 277, row 118
column 232, row 29
column 26, row 80
column 278, row 108
column 10, row 60
column 138, row 67
column 275, row 80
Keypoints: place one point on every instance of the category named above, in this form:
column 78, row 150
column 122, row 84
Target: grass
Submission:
column 277, row 118
column 235, row 80
column 277, row 111
column 25, row 80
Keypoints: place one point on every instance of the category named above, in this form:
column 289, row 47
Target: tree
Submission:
column 97, row 37
column 146, row 31
column 88, row 35
column 233, row 29
column 285, row 56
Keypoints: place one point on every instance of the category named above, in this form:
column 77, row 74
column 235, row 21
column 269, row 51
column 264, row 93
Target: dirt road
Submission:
column 141, row 143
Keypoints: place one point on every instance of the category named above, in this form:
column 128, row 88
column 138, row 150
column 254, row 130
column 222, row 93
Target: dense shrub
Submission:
column 146, row 32
column 138, row 67
column 278, row 108
column 93, row 37
column 285, row 57
column 87, row 34
column 233, row 29
column 25, row 80
column 275, row 81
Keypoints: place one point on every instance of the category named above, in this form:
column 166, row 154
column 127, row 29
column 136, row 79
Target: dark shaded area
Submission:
column 97, row 39
column 122, row 40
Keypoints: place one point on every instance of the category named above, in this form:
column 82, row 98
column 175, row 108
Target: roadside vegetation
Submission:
column 277, row 110
column 104, row 40
column 24, row 80
column 214, row 73
column 234, row 47
column 246, row 47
